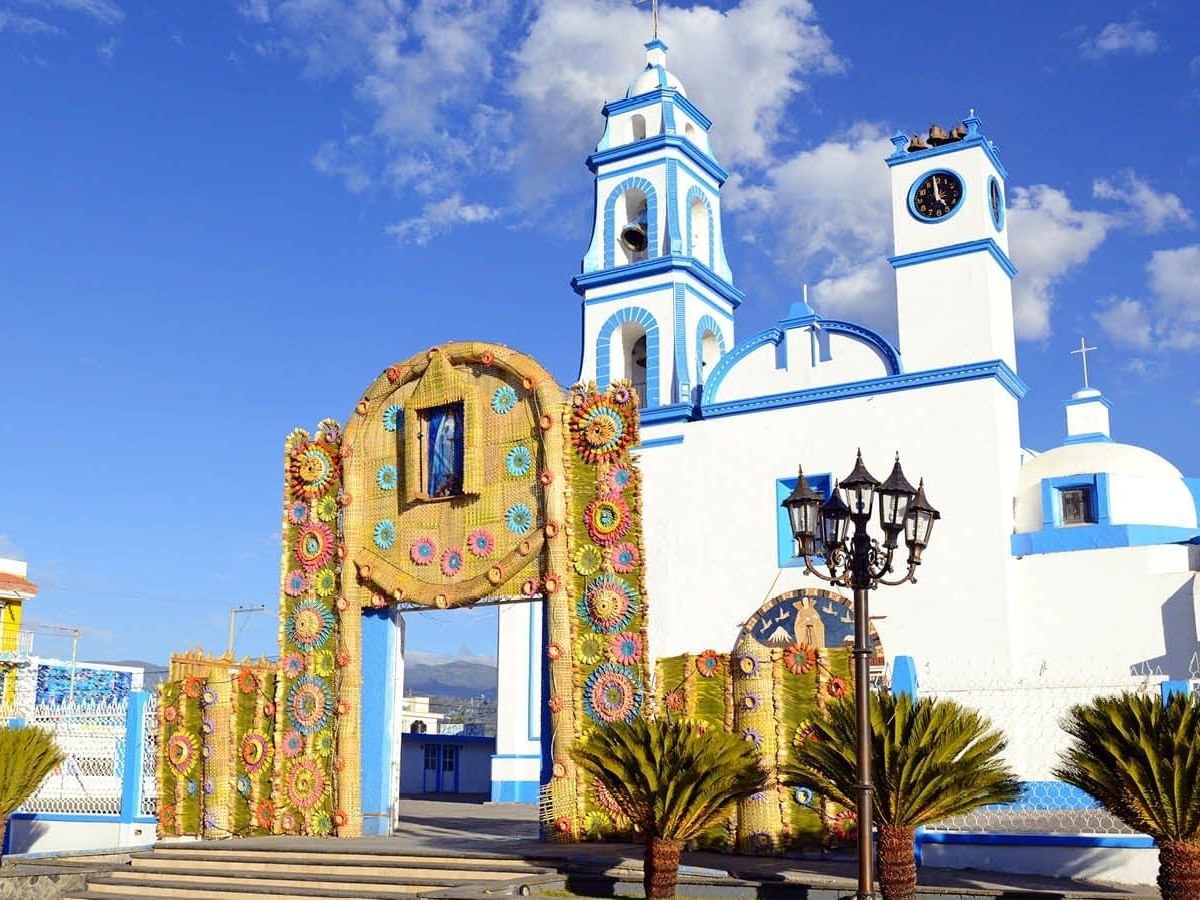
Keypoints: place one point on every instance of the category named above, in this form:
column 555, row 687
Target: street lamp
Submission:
column 860, row 562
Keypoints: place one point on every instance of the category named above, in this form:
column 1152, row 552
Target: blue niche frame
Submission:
column 610, row 225
column 998, row 213
column 696, row 192
column 912, row 193
column 649, row 324
column 706, row 324
column 822, row 483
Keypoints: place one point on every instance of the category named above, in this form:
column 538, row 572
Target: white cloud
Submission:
column 1170, row 318
column 1150, row 210
column 22, row 24
column 342, row 160
column 8, row 549
column 108, row 49
column 1122, row 37
column 441, row 216
column 1048, row 239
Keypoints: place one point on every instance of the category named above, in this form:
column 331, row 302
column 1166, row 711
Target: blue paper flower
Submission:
column 385, row 534
column 386, row 477
column 391, row 416
column 243, row 785
column 518, row 518
column 519, row 460
column 504, row 399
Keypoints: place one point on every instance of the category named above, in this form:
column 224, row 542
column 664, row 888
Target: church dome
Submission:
column 655, row 75
column 1142, row 487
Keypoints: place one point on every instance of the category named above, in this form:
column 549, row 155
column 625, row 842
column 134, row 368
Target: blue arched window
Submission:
column 623, row 204
column 626, row 335
column 710, row 346
column 699, row 226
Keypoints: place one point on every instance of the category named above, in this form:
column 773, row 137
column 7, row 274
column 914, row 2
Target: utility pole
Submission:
column 233, row 613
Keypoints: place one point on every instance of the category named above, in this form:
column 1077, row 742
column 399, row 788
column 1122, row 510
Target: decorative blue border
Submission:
column 658, row 95
column 696, row 192
column 659, row 289
column 998, row 213
column 672, row 412
column 1090, row 437
column 679, row 372
column 674, row 239
column 659, row 266
column 658, row 142
column 668, row 441
column 646, row 319
column 986, row 245
column 785, row 541
column 1099, row 537
column 707, row 323
column 1052, row 489
column 912, row 193
column 996, row 839
column 610, row 213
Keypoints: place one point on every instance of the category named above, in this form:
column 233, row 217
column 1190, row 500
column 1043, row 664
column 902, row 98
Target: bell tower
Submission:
column 658, row 296
column 953, row 274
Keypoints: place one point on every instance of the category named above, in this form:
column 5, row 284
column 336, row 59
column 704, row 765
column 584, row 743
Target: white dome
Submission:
column 1143, row 488
column 651, row 79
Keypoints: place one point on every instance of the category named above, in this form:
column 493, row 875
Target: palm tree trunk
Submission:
column 897, row 863
column 1179, row 869
column 661, row 867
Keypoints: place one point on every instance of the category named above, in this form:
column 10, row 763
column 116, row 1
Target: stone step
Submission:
column 396, row 867
column 383, row 884
column 109, row 888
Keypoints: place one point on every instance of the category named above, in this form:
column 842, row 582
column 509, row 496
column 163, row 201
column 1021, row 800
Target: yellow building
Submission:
column 15, row 589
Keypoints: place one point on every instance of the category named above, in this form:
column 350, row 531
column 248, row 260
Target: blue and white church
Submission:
column 1075, row 566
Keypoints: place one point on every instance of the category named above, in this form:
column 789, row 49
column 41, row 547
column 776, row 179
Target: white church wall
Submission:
column 1119, row 865
column 516, row 764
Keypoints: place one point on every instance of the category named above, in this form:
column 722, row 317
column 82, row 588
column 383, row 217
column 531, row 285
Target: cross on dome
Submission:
column 1083, row 351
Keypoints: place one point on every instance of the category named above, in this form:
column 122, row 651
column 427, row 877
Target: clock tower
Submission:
column 953, row 273
column 658, row 295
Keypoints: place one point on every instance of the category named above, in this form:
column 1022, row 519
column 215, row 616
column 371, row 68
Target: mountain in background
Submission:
column 457, row 678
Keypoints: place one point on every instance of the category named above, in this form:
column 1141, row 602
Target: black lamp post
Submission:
column 860, row 562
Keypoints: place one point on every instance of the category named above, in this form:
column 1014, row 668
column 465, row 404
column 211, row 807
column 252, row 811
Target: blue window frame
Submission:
column 1068, row 494
column 823, row 485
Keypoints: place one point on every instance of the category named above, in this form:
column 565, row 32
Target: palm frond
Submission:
column 27, row 756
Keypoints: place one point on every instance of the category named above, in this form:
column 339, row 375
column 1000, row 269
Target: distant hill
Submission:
column 451, row 679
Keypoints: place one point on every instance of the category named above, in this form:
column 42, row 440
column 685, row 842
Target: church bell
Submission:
column 633, row 236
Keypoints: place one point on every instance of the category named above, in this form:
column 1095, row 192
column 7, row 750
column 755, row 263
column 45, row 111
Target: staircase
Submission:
column 306, row 870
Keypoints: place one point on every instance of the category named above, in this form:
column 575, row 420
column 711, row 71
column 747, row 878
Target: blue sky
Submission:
column 219, row 221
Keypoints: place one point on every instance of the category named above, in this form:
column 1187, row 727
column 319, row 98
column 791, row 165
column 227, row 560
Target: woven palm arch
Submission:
column 545, row 503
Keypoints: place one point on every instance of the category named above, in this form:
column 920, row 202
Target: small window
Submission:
column 639, row 128
column 1077, row 506
column 442, row 454
column 417, row 727
column 431, row 757
column 449, row 758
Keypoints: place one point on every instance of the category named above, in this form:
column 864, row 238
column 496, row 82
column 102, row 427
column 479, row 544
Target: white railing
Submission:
column 89, row 781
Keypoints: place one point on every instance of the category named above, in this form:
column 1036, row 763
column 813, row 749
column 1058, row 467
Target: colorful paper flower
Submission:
column 708, row 663
column 799, row 659
column 269, row 709
column 747, row 664
column 309, row 704
column 595, row 824
column 555, row 703
column 803, row 796
column 243, row 785
column 386, row 477
column 170, row 713
column 608, row 604
column 314, row 545
column 531, row 587
column 323, row 663
column 296, row 583
column 327, row 508
column 518, row 518
column 546, row 477
column 305, row 783
column 751, row 736
column 209, row 697
column 804, row 733
column 207, row 726
column 247, row 681
column 340, row 818
column 504, row 399
column 588, row 560
column 292, row 664
column 391, row 416
column 845, row 824
column 310, row 625
column 750, row 702
column 297, row 512
column 600, row 430
column 604, row 799
column 323, row 743
column 313, row 468
column 423, row 551
column 452, row 562
column 191, row 787
column 293, row 744
column 624, row 557
column 673, row 700
column 836, row 686
column 518, row 461
column 612, row 694
column 166, row 816
column 480, row 543
column 193, row 687
column 607, row 519
column 589, row 648
column 326, row 583
column 181, row 752
column 553, row 651
column 618, row 478
column 288, row 823
column 384, row 534
column 256, row 751
column 621, row 393
column 320, row 824
column 626, row 648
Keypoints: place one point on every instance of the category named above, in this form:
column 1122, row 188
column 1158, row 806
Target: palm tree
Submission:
column 672, row 780
column 27, row 756
column 933, row 759
column 1140, row 758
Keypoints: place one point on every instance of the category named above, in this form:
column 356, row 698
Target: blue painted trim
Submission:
column 674, row 239
column 1081, row 401
column 986, row 245
column 661, row 415
column 885, row 348
column 1091, row 437
column 995, row 369
column 113, row 819
column 378, row 709
column 429, row 738
column 1099, row 537
column 658, row 266
column 652, row 98
column 515, row 791
column 657, row 163
column 730, row 359
column 1052, row 488
column 658, row 289
column 516, row 755
column 785, row 541
column 660, row 442
column 912, row 193
column 610, row 226
column 659, row 142
column 668, row 113
column 705, row 325
column 695, row 192
column 904, row 677
column 646, row 319
column 679, row 371
column 998, row 214
column 135, row 742
column 1169, row 689
column 657, row 44
column 902, row 157
column 1126, row 842
column 534, row 713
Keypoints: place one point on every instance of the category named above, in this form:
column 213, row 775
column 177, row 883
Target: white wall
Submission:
column 52, row 836
column 1116, row 865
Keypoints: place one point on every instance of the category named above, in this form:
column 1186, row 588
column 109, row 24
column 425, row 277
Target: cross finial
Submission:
column 653, row 14
column 1083, row 351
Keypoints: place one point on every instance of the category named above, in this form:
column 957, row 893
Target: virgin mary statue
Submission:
column 445, row 477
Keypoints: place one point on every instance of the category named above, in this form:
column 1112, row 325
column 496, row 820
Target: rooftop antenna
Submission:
column 1083, row 351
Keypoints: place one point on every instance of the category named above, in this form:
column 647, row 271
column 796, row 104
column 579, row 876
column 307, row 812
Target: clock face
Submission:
column 937, row 195
column 996, row 202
